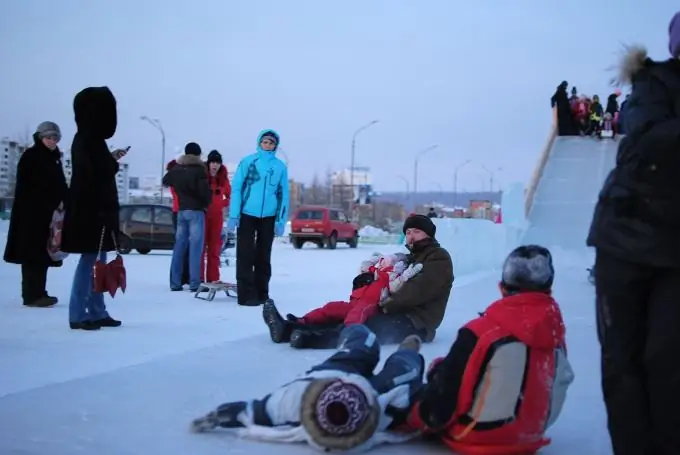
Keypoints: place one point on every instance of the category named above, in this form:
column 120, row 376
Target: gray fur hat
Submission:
column 48, row 129
column 528, row 268
column 338, row 415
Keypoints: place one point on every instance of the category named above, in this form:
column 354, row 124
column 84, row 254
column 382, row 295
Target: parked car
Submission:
column 323, row 226
column 146, row 227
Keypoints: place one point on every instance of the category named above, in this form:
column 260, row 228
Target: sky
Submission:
column 473, row 78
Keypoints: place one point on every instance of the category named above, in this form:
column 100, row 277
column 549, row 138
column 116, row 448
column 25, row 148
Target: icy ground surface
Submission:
column 133, row 390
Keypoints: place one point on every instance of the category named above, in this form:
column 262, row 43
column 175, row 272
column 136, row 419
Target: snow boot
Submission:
column 307, row 338
column 412, row 343
column 279, row 328
column 225, row 416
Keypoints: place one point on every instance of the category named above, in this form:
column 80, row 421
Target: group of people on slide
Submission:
column 490, row 394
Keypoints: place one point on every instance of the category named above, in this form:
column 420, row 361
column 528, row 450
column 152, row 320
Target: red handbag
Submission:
column 112, row 276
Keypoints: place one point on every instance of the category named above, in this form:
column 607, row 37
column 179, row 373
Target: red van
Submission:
column 323, row 226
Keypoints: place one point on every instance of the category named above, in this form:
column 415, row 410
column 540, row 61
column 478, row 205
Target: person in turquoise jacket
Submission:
column 259, row 209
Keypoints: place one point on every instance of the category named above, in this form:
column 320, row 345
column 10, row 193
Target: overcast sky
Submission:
column 475, row 79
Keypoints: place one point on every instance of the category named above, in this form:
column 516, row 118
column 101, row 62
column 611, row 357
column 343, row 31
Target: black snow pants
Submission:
column 254, row 240
column 185, row 267
column 638, row 321
column 33, row 282
column 388, row 328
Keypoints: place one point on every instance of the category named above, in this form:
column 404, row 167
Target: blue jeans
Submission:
column 85, row 304
column 190, row 234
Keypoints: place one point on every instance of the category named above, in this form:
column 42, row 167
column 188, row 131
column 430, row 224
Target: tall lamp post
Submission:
column 351, row 166
column 415, row 170
column 157, row 124
column 408, row 189
column 455, row 181
column 491, row 177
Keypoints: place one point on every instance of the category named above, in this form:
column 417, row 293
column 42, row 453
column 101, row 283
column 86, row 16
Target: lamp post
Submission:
column 491, row 177
column 157, row 124
column 408, row 189
column 415, row 170
column 351, row 166
column 455, row 181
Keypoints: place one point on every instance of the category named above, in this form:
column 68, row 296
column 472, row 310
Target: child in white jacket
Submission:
column 338, row 405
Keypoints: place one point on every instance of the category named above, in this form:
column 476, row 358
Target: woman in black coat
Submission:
column 565, row 120
column 92, row 206
column 636, row 234
column 40, row 189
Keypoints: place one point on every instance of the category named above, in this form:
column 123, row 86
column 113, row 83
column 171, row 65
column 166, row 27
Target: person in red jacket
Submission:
column 504, row 380
column 221, row 194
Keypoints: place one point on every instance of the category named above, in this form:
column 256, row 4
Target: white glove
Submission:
column 367, row 264
column 409, row 273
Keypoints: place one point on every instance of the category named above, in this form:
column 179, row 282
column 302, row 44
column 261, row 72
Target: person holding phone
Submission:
column 91, row 207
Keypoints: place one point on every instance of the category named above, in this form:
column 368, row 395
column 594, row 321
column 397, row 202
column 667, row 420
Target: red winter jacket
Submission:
column 175, row 201
column 502, row 383
column 221, row 192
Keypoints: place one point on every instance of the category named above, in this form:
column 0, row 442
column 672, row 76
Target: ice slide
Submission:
column 566, row 190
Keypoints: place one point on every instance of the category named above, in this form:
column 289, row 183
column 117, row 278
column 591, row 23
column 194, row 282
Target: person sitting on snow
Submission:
column 337, row 405
column 505, row 379
column 378, row 278
column 416, row 307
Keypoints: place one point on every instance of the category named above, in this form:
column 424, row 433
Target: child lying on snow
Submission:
column 379, row 277
column 337, row 405
column 505, row 379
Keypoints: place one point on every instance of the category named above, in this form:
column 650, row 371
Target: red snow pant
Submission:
column 362, row 305
column 210, row 261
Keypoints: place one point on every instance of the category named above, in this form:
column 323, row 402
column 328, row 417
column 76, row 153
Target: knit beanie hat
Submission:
column 528, row 268
column 192, row 148
column 338, row 415
column 48, row 129
column 674, row 36
column 214, row 157
column 421, row 222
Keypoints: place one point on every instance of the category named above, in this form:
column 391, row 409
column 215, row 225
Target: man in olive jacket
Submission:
column 421, row 301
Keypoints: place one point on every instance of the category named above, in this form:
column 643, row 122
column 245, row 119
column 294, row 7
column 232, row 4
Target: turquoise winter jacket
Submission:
column 260, row 185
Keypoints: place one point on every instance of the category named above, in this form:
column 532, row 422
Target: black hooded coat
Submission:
column 40, row 188
column 92, row 205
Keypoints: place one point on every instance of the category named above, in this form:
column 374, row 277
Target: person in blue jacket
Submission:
column 259, row 209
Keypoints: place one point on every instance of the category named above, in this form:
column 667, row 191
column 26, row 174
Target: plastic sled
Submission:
column 212, row 288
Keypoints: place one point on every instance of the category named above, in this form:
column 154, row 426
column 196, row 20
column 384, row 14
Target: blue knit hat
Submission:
column 674, row 36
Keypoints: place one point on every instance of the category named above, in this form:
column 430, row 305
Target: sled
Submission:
column 212, row 288
column 607, row 134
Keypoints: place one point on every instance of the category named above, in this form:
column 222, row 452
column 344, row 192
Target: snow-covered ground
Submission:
column 133, row 390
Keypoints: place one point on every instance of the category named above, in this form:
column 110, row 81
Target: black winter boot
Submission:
column 225, row 416
column 279, row 328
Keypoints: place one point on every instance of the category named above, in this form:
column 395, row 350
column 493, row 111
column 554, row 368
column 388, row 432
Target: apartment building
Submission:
column 122, row 178
column 10, row 152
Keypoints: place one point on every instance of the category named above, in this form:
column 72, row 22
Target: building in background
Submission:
column 122, row 178
column 342, row 192
column 134, row 182
column 10, row 152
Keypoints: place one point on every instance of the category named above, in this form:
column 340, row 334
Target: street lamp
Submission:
column 157, row 124
column 491, row 176
column 285, row 156
column 415, row 169
column 455, row 181
column 408, row 189
column 351, row 166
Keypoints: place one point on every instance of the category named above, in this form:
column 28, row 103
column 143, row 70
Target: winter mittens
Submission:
column 279, row 228
column 232, row 224
column 397, row 281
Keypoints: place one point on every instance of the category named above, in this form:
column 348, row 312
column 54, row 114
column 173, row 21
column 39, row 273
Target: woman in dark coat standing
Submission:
column 92, row 205
column 565, row 120
column 637, row 267
column 40, row 189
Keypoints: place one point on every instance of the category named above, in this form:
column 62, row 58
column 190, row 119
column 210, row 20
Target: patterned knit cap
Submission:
column 338, row 415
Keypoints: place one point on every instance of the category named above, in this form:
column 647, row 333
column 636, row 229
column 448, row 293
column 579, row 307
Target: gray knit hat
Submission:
column 338, row 415
column 48, row 129
column 528, row 268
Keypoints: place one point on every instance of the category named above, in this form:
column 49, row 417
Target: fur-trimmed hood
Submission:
column 633, row 59
column 189, row 160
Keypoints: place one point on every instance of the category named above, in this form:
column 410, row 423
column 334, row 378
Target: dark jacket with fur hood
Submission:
column 92, row 204
column 189, row 179
column 637, row 217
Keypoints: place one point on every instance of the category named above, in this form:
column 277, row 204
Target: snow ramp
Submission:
column 564, row 190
